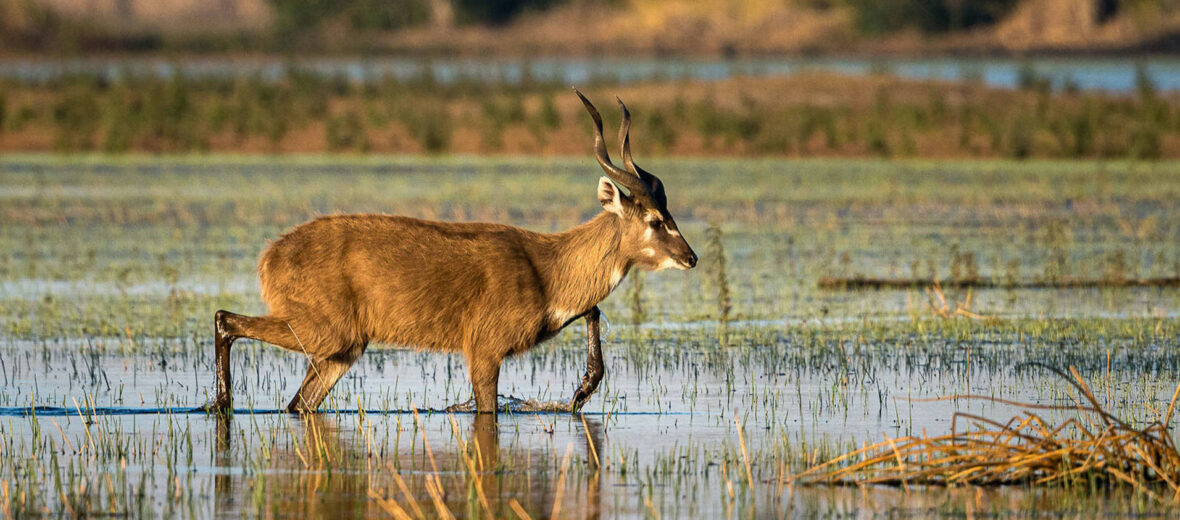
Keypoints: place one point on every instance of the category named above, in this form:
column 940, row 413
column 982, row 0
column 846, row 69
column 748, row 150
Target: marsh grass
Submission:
column 715, row 249
column 937, row 303
column 112, row 268
column 635, row 298
column 1095, row 448
column 307, row 113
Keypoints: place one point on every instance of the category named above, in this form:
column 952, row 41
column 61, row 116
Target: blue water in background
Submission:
column 1099, row 74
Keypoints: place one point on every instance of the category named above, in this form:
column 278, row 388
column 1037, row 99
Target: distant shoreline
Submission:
column 1114, row 75
column 807, row 115
column 859, row 52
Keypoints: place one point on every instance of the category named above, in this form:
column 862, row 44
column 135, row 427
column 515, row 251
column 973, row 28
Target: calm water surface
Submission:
column 1108, row 74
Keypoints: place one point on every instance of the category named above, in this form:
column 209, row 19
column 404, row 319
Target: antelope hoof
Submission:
column 580, row 398
column 589, row 386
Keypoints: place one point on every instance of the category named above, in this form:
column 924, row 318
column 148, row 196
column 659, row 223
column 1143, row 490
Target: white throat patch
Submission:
column 670, row 263
column 615, row 278
column 561, row 316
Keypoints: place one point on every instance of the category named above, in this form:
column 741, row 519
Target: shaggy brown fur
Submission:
column 337, row 283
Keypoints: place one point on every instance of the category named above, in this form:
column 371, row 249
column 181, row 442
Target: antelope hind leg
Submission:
column 485, row 379
column 321, row 376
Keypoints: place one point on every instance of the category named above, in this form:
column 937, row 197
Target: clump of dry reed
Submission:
column 1095, row 446
column 939, row 306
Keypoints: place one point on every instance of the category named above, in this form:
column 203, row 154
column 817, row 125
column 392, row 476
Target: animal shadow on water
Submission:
column 489, row 291
column 329, row 470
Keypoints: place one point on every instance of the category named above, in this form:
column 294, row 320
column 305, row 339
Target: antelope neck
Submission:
column 585, row 265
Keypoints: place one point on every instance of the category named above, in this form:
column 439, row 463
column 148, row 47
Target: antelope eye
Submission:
column 655, row 224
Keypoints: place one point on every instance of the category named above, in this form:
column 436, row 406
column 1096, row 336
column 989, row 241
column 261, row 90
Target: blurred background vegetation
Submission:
column 876, row 116
column 287, row 105
column 479, row 27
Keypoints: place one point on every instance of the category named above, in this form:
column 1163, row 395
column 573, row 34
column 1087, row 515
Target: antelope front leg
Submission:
column 594, row 368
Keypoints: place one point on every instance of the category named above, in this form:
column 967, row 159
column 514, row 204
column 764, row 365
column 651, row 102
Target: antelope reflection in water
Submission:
column 323, row 465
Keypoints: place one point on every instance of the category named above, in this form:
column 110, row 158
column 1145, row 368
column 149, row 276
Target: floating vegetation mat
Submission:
column 1093, row 447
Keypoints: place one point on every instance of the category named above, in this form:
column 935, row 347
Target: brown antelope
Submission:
column 336, row 283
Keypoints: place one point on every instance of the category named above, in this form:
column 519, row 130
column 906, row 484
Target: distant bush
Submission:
column 170, row 116
column 1145, row 142
column 295, row 18
column 430, row 124
column 387, row 14
column 76, row 115
column 657, row 128
column 1019, row 142
column 345, row 132
column 550, row 117
column 495, row 12
column 931, row 16
column 28, row 25
column 876, row 140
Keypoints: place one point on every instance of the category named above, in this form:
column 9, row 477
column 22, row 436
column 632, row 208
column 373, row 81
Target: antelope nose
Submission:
column 692, row 260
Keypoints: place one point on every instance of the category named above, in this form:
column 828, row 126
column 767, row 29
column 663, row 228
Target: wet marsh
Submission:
column 722, row 382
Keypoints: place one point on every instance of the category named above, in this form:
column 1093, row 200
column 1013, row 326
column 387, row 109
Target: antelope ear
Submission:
column 610, row 197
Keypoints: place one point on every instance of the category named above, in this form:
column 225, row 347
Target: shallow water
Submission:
column 105, row 345
column 663, row 425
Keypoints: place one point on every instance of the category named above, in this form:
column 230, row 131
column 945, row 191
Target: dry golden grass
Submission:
column 1096, row 446
column 939, row 306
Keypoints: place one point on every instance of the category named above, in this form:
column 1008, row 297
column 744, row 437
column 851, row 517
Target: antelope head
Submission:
column 649, row 236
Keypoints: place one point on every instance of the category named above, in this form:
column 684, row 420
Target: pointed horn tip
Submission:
column 580, row 95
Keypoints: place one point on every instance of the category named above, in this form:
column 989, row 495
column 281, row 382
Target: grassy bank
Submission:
column 808, row 115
